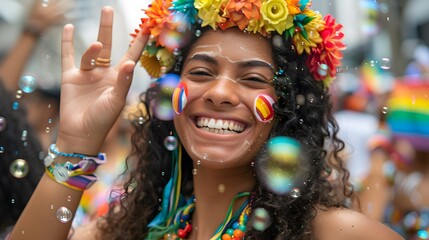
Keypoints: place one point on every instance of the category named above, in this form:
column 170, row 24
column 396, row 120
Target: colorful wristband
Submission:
column 77, row 176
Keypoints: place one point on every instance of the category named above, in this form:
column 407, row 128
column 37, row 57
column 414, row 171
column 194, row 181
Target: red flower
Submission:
column 328, row 52
column 142, row 27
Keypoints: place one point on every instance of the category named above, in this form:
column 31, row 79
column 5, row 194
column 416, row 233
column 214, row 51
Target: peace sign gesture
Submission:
column 93, row 95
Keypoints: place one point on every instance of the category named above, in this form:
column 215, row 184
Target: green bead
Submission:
column 242, row 227
column 230, row 231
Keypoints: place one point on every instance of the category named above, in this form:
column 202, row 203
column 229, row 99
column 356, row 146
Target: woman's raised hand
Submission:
column 93, row 95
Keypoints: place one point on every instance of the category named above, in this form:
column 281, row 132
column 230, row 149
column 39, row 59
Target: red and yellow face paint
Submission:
column 180, row 97
column 263, row 108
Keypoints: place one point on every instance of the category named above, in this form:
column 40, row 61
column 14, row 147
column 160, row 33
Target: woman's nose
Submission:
column 222, row 92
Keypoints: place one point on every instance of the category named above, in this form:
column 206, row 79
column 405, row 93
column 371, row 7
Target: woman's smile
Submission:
column 220, row 126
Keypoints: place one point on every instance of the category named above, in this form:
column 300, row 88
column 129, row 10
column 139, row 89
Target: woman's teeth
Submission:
column 219, row 126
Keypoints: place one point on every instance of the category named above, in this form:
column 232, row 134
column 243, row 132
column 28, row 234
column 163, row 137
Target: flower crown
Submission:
column 170, row 23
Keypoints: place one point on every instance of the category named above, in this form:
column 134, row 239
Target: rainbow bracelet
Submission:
column 77, row 176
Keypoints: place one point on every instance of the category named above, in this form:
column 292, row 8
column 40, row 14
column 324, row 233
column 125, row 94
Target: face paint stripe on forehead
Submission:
column 210, row 56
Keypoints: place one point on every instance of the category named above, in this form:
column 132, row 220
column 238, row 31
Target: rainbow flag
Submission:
column 408, row 113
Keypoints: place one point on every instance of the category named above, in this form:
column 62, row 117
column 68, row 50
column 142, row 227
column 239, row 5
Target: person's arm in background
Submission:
column 92, row 95
column 375, row 194
column 40, row 18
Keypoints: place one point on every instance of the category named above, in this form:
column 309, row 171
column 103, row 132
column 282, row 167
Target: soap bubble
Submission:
column 322, row 70
column 27, row 84
column 385, row 63
column 260, row 219
column 170, row 143
column 2, row 123
column 19, row 168
column 282, row 166
column 64, row 214
column 163, row 108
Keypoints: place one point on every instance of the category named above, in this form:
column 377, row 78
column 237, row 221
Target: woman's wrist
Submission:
column 74, row 175
column 33, row 28
column 85, row 146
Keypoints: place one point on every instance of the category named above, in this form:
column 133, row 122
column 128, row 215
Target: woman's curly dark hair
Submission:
column 310, row 122
column 15, row 192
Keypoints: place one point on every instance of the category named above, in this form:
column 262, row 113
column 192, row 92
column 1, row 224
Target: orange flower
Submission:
column 241, row 12
column 159, row 17
column 293, row 6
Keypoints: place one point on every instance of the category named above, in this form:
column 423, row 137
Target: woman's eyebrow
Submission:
column 242, row 64
column 204, row 58
column 256, row 63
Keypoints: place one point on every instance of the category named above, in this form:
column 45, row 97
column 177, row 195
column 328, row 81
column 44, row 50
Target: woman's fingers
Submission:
column 89, row 57
column 135, row 50
column 105, row 33
column 125, row 77
column 67, row 50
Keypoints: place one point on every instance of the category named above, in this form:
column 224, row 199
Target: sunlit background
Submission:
column 387, row 41
column 45, row 62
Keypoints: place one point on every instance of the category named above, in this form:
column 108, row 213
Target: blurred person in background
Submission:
column 395, row 190
column 30, row 109
column 359, row 102
column 418, row 68
column 42, row 103
column 22, row 108
column 20, row 161
column 129, row 220
column 36, row 101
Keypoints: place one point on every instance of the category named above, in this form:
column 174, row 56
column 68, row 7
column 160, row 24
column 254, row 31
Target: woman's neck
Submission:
column 214, row 191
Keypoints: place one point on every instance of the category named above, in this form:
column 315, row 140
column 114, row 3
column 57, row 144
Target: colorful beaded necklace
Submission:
column 174, row 219
column 233, row 227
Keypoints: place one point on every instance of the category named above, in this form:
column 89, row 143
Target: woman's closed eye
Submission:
column 200, row 72
column 255, row 79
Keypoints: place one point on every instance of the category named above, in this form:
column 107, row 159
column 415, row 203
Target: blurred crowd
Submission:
column 383, row 118
column 30, row 93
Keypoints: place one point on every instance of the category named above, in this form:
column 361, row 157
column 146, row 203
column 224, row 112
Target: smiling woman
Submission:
column 244, row 153
column 223, row 83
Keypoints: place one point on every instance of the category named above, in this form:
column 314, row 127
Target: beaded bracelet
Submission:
column 77, row 176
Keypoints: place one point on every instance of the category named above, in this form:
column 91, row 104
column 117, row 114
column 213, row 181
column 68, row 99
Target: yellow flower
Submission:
column 210, row 12
column 256, row 26
column 198, row 4
column 312, row 29
column 166, row 59
column 276, row 16
column 159, row 63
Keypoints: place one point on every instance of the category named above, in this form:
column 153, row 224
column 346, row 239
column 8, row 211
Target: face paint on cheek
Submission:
column 180, row 97
column 263, row 108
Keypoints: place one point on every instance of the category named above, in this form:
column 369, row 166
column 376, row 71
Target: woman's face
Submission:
column 224, row 72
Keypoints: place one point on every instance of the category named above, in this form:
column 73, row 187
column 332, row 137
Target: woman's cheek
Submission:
column 263, row 108
column 180, row 97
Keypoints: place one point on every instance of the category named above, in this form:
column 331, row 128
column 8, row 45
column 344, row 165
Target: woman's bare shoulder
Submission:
column 341, row 223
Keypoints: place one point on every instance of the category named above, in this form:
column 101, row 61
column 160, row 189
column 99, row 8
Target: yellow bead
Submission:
column 170, row 236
